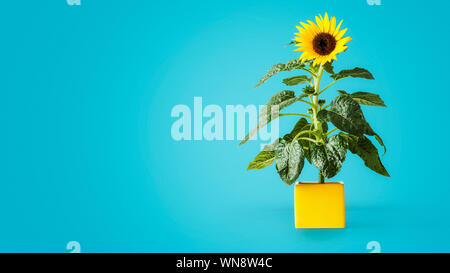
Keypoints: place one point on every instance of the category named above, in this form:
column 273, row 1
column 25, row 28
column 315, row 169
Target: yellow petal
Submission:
column 345, row 40
column 337, row 28
column 332, row 25
column 319, row 24
column 326, row 24
column 340, row 34
column 305, row 26
column 314, row 27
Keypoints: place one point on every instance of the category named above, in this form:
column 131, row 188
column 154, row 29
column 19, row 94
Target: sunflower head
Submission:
column 320, row 41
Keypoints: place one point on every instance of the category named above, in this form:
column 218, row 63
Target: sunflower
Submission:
column 321, row 42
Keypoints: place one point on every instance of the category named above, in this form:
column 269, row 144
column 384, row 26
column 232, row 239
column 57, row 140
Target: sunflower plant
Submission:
column 312, row 138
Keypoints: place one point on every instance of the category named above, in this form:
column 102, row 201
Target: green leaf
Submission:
column 262, row 160
column 324, row 127
column 289, row 160
column 346, row 114
column 356, row 72
column 305, row 143
column 283, row 98
column 280, row 100
column 296, row 80
column 328, row 67
column 328, row 158
column 348, row 117
column 289, row 66
column 367, row 98
column 380, row 141
column 271, row 147
column 302, row 95
column 293, row 42
column 301, row 123
column 294, row 64
column 364, row 148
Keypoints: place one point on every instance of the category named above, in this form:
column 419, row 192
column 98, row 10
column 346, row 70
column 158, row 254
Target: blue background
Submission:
column 86, row 150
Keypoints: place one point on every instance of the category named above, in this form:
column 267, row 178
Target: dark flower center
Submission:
column 324, row 43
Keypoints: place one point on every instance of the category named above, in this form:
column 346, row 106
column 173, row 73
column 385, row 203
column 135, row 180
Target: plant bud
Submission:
column 309, row 90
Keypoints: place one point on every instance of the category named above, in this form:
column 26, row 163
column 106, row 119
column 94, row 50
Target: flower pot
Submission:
column 319, row 205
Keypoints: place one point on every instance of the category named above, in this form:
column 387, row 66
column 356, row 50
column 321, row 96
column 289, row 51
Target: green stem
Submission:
column 303, row 132
column 325, row 107
column 315, row 98
column 309, row 139
column 331, row 131
column 306, row 102
column 296, row 114
column 321, row 178
column 309, row 71
column 327, row 87
column 320, row 137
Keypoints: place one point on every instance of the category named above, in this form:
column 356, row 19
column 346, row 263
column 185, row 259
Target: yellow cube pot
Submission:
column 319, row 205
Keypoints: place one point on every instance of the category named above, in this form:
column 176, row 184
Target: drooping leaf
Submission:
column 265, row 157
column 350, row 118
column 328, row 158
column 289, row 159
column 380, row 141
column 270, row 111
column 289, row 66
column 367, row 98
column 296, row 80
column 346, row 114
column 262, row 160
column 356, row 72
column 272, row 147
column 363, row 147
